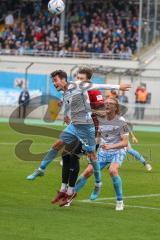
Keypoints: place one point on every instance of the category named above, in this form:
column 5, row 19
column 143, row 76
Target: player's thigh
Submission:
column 74, row 148
column 116, row 159
column 68, row 136
column 117, row 156
column 102, row 159
column 86, row 134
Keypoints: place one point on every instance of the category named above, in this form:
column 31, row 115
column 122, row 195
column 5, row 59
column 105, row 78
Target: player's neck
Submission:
column 110, row 116
column 65, row 87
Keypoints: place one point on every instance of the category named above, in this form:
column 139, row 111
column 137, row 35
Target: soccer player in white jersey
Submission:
column 113, row 134
column 78, row 115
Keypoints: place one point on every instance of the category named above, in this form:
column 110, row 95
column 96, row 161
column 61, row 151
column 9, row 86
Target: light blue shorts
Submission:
column 84, row 132
column 105, row 158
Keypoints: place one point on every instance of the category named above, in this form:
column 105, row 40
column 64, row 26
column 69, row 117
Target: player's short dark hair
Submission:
column 86, row 70
column 60, row 73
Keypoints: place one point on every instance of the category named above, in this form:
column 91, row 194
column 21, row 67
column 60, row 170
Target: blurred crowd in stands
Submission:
column 109, row 27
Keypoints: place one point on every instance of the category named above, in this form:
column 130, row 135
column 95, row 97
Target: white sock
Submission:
column 70, row 190
column 63, row 187
column 40, row 169
column 98, row 184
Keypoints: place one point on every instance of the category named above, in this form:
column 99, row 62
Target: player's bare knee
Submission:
column 88, row 174
column 113, row 172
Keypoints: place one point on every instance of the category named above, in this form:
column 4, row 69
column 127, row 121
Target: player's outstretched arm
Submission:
column 123, row 86
column 106, row 86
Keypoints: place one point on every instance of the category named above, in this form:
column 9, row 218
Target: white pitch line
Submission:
column 127, row 197
column 130, row 206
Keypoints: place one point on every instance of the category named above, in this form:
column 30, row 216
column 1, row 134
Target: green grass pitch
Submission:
column 26, row 212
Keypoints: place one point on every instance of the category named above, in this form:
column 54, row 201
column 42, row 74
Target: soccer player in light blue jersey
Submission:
column 113, row 135
column 77, row 115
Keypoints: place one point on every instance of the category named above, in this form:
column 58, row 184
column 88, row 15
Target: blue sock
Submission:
column 48, row 158
column 137, row 156
column 96, row 171
column 117, row 183
column 80, row 183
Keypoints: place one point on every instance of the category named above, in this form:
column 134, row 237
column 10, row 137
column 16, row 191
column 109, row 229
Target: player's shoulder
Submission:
column 123, row 125
column 125, row 121
column 121, row 121
column 73, row 86
column 121, row 118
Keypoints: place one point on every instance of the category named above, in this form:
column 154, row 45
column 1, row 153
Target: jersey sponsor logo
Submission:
column 109, row 128
column 99, row 97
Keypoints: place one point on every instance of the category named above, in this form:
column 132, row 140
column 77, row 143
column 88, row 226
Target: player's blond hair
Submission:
column 115, row 100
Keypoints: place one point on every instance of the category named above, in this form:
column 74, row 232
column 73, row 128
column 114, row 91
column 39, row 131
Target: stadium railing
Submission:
column 65, row 54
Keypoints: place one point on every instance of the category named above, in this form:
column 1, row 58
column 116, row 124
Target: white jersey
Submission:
column 130, row 126
column 112, row 131
column 77, row 103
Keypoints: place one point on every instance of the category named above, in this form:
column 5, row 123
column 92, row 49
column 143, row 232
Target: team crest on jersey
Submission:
column 125, row 129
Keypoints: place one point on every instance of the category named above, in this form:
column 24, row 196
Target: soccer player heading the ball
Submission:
column 77, row 115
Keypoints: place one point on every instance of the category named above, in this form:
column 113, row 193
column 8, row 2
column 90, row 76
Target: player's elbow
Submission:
column 124, row 140
column 125, row 143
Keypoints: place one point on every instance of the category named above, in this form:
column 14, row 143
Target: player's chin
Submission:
column 58, row 88
column 108, row 110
